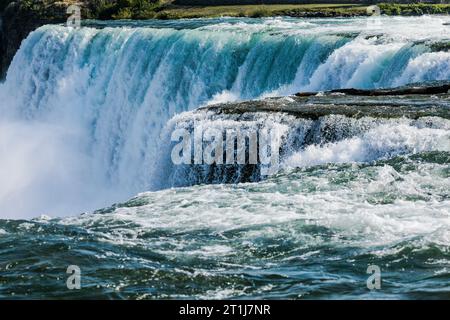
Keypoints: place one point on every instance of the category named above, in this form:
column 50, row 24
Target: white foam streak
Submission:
column 382, row 142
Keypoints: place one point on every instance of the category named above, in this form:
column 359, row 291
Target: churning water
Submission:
column 85, row 120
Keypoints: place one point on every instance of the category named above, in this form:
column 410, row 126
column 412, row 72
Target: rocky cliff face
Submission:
column 21, row 17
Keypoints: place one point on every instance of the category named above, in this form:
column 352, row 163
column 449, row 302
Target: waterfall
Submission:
column 83, row 109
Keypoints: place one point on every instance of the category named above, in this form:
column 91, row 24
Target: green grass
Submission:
column 176, row 12
column 413, row 9
column 165, row 9
column 124, row 9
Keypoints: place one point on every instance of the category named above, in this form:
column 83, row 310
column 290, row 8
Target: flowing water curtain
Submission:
column 110, row 91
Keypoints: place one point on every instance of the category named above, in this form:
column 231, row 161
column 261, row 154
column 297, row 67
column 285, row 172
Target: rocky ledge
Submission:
column 414, row 101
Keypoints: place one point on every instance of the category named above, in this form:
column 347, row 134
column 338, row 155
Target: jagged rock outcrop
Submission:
column 21, row 17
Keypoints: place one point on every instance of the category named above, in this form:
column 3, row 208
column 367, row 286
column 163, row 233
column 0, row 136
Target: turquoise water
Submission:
column 310, row 233
column 86, row 117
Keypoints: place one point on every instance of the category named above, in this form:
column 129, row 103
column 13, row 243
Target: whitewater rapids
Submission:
column 86, row 118
column 83, row 109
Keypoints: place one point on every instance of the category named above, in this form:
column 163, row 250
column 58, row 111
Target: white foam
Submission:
column 371, row 207
column 83, row 109
column 382, row 142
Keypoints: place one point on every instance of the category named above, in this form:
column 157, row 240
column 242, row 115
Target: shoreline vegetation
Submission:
column 170, row 9
column 154, row 9
column 274, row 10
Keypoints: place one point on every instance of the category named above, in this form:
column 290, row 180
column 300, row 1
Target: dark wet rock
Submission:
column 411, row 102
column 409, row 90
column 21, row 17
column 440, row 46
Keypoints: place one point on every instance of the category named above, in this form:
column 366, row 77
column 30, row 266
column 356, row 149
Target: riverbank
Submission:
column 298, row 10
column 21, row 17
column 167, row 9
column 258, row 11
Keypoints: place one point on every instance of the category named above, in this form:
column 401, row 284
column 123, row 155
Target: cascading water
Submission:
column 304, row 142
column 83, row 109
column 87, row 117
